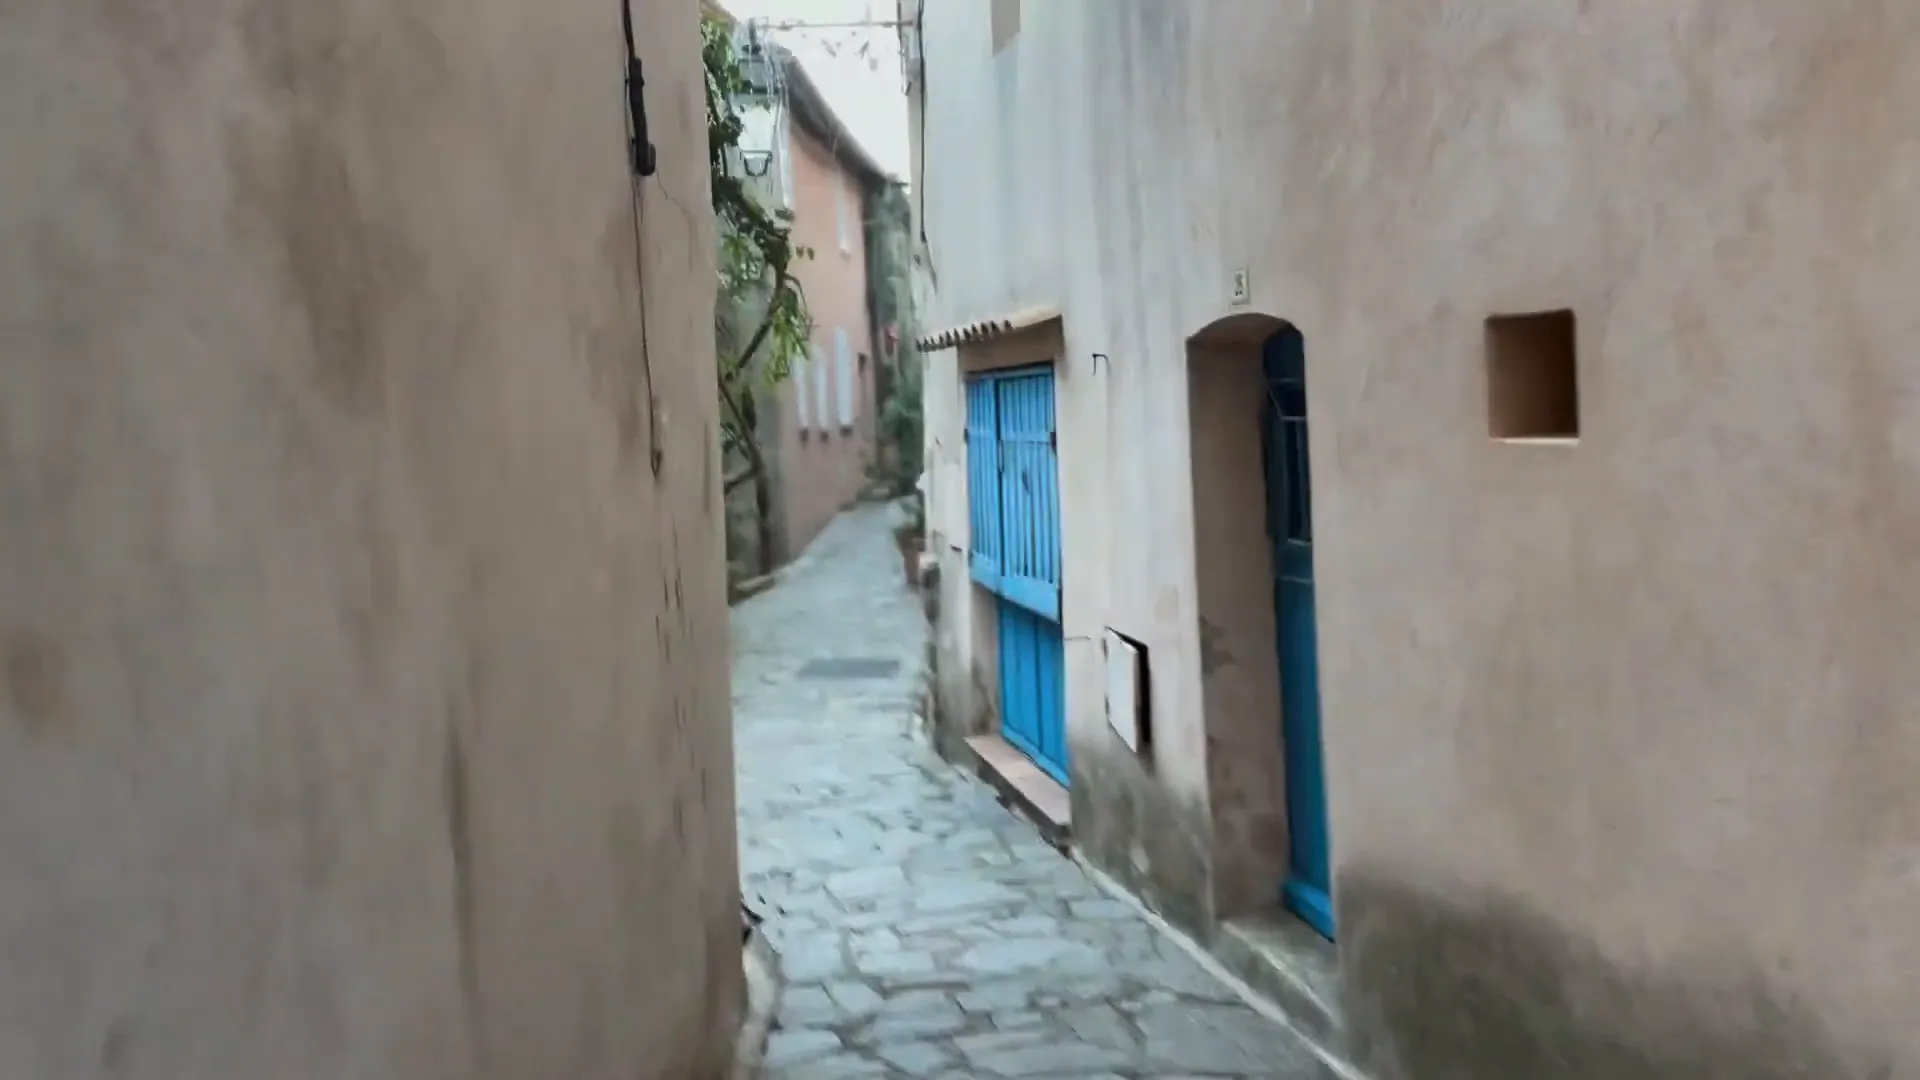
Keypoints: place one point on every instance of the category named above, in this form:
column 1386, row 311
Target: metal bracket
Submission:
column 640, row 148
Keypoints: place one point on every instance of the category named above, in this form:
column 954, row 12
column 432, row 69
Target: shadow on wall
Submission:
column 1460, row 988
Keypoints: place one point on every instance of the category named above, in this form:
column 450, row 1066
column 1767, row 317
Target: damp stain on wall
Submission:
column 1460, row 985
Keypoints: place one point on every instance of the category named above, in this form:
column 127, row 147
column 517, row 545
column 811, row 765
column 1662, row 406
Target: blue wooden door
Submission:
column 1308, row 888
column 1014, row 497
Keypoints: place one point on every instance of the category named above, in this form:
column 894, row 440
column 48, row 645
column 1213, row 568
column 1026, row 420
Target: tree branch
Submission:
column 743, row 434
column 759, row 338
column 744, row 441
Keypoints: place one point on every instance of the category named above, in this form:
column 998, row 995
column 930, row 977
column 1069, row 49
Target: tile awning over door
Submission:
column 980, row 330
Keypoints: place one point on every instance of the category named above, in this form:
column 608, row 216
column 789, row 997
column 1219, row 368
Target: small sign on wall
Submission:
column 1126, row 690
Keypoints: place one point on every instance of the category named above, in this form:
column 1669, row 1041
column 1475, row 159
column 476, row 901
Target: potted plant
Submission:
column 911, row 536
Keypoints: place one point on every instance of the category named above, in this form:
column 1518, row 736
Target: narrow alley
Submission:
column 922, row 928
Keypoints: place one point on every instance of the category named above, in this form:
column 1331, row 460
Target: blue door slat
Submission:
column 1035, row 596
column 1029, row 493
column 983, row 454
column 1014, row 511
column 1308, row 887
column 1053, row 668
column 1032, row 669
column 1020, row 709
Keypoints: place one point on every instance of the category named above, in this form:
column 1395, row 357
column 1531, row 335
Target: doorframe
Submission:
column 1240, row 679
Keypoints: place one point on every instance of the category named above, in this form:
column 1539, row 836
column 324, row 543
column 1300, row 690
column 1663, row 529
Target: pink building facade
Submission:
column 826, row 429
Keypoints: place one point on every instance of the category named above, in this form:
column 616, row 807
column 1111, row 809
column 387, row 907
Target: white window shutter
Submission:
column 843, row 220
column 843, row 375
column 798, row 377
column 783, row 158
column 822, row 408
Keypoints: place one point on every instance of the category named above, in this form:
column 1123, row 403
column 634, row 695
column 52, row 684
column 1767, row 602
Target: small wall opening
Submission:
column 1533, row 377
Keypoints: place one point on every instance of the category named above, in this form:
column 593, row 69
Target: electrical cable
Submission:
column 643, row 162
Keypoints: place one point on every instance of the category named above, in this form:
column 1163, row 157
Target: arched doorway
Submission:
column 1308, row 888
column 1253, row 572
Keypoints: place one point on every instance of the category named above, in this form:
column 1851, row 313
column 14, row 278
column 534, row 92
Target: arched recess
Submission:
column 1253, row 575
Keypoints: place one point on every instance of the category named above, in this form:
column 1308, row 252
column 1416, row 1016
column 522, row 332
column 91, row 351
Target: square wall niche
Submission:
column 1533, row 384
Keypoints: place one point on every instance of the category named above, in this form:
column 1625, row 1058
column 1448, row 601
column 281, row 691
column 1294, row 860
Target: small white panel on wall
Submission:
column 1123, row 690
column 1242, row 291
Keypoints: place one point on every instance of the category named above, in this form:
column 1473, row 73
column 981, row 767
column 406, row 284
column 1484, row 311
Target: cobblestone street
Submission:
column 922, row 929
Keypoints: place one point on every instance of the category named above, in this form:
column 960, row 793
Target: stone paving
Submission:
column 922, row 929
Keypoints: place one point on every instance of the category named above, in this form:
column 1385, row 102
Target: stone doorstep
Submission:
column 1285, row 961
column 1037, row 796
column 1274, row 963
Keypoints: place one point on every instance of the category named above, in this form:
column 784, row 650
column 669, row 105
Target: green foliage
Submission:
column 891, row 280
column 900, row 424
column 762, row 321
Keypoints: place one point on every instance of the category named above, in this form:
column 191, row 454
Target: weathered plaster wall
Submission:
column 360, row 680
column 1004, row 223
column 1626, row 714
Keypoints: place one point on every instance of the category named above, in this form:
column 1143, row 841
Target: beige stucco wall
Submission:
column 823, row 465
column 1625, row 722
column 362, row 682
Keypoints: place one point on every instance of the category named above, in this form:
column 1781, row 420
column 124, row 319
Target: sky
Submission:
column 856, row 67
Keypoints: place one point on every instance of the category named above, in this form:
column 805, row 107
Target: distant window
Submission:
column 843, row 221
column 822, row 409
column 1533, row 386
column 843, row 376
column 1006, row 22
column 783, row 159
